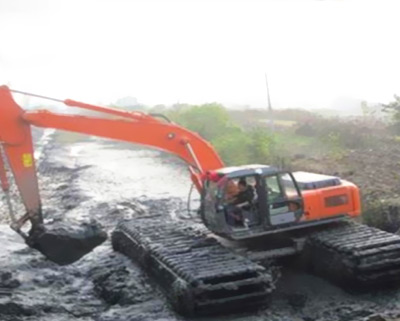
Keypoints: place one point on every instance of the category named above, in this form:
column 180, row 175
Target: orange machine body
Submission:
column 331, row 201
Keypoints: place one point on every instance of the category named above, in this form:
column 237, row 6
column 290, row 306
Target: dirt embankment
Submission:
column 374, row 168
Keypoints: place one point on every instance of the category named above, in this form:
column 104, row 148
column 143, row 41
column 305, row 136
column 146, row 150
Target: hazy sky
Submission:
column 202, row 51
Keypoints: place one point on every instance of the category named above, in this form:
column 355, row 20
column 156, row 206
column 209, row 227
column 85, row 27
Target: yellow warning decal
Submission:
column 27, row 159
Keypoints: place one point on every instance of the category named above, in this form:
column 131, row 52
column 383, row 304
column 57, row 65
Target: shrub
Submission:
column 235, row 145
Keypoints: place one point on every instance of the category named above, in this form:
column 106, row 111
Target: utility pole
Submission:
column 269, row 98
column 271, row 119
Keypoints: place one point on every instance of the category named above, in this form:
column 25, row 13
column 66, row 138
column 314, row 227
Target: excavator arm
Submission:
column 135, row 127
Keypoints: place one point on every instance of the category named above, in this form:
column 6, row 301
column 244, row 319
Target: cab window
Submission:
column 273, row 188
column 289, row 186
column 213, row 196
column 281, row 191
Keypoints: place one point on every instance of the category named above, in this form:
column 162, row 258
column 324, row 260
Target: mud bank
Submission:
column 110, row 182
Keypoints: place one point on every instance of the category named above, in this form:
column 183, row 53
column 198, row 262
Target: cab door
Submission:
column 283, row 198
column 211, row 210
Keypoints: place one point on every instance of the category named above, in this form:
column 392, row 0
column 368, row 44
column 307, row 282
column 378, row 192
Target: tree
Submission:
column 209, row 120
column 365, row 108
column 394, row 109
column 235, row 145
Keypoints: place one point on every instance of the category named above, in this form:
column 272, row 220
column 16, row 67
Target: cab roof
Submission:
column 247, row 170
column 308, row 181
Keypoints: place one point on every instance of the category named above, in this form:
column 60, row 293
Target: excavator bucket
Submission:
column 60, row 242
column 64, row 244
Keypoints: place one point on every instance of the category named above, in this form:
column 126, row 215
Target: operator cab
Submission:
column 249, row 201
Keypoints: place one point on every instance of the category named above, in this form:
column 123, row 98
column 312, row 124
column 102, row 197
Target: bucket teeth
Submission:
column 198, row 275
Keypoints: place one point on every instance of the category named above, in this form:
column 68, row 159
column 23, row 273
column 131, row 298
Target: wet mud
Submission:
column 110, row 182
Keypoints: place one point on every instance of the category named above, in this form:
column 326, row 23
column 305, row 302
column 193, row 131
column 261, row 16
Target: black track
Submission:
column 197, row 274
column 355, row 255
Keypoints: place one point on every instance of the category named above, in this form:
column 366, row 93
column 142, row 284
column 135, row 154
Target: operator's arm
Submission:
column 244, row 197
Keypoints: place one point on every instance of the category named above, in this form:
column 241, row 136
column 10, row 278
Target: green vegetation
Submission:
column 210, row 120
column 235, row 144
column 246, row 136
column 393, row 108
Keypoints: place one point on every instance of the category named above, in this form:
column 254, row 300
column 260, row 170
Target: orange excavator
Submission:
column 285, row 200
column 281, row 202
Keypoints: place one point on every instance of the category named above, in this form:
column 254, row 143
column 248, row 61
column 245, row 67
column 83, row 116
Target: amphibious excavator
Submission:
column 201, row 272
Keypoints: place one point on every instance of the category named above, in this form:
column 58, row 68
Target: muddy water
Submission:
column 113, row 181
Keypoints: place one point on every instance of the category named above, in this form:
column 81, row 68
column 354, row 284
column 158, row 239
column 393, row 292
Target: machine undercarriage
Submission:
column 199, row 275
column 355, row 256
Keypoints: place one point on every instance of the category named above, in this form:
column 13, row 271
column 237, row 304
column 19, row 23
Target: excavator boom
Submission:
column 134, row 127
column 16, row 141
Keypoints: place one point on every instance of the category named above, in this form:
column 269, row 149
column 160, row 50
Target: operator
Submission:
column 243, row 198
column 231, row 191
column 245, row 195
